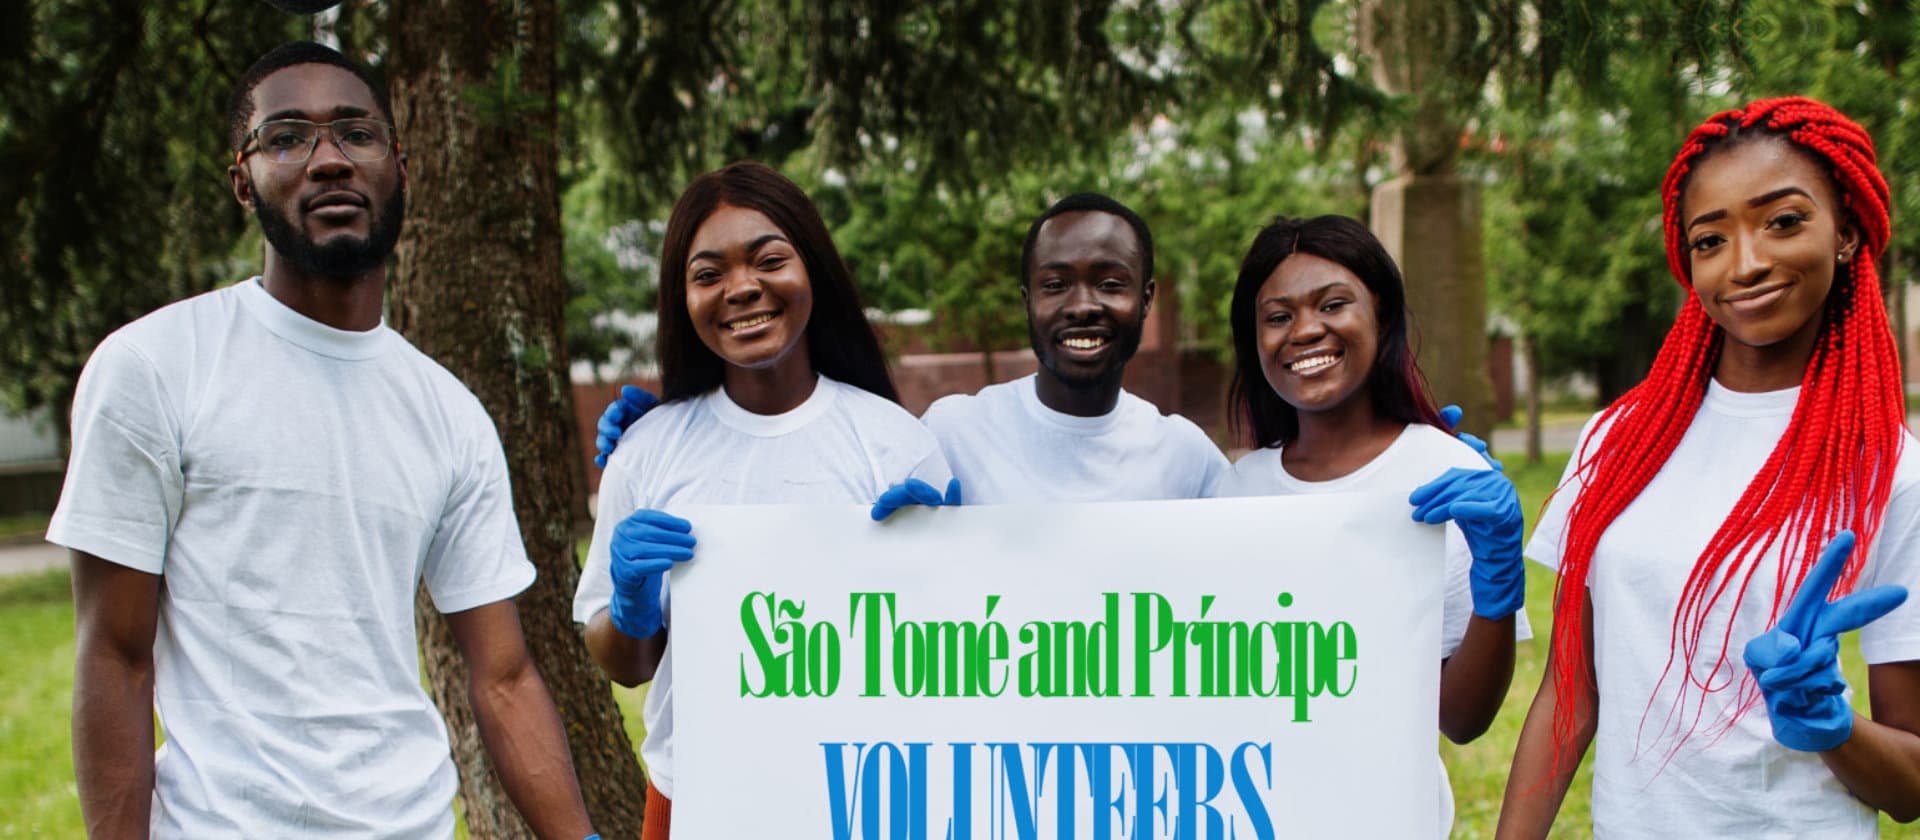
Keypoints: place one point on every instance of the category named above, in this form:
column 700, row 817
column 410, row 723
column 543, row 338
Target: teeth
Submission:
column 754, row 321
column 1083, row 343
column 1312, row 363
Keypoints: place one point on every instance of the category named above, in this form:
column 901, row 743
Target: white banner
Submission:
column 1196, row 670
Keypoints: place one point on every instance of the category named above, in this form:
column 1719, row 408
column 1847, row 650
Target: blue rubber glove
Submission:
column 634, row 402
column 1451, row 415
column 645, row 545
column 1487, row 509
column 1797, row 663
column 914, row 492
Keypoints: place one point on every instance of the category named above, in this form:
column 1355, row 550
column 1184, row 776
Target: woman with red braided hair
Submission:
column 1693, row 640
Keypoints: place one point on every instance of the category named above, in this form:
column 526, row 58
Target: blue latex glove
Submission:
column 1451, row 415
column 914, row 492
column 1487, row 509
column 633, row 403
column 1797, row 663
column 645, row 545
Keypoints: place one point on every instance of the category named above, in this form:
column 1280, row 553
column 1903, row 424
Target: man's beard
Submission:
column 344, row 256
column 1127, row 341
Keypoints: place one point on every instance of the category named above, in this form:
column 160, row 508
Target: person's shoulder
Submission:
column 1906, row 470
column 1256, row 473
column 441, row 385
column 173, row 328
column 876, row 411
column 1181, row 429
column 663, row 427
column 165, row 344
column 1258, row 457
column 1173, row 426
column 951, row 405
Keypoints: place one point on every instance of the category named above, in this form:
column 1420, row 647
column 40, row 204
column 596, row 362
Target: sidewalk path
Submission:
column 1559, row 437
column 29, row 557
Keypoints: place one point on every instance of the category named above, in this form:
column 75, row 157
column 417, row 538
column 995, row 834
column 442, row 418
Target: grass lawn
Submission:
column 23, row 525
column 37, row 796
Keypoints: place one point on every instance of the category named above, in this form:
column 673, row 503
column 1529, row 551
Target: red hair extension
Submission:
column 1832, row 469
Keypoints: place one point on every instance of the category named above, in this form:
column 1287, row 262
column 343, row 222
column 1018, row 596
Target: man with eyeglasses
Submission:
column 261, row 478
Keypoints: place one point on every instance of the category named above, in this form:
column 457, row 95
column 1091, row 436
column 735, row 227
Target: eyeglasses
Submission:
column 361, row 139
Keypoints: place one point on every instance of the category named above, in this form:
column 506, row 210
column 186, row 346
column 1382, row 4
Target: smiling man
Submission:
column 261, row 478
column 1070, row 432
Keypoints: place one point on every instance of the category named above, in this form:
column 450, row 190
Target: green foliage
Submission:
column 503, row 101
column 610, row 268
column 1208, row 186
column 1574, row 249
column 115, row 198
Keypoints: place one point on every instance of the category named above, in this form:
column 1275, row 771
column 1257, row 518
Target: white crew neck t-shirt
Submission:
column 292, row 484
column 1005, row 446
column 1419, row 455
column 842, row 444
column 1719, row 783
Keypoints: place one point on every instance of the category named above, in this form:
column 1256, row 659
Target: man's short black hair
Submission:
column 1098, row 203
column 240, row 107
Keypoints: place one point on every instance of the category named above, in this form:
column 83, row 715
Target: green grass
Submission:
column 1479, row 769
column 24, row 525
column 37, row 797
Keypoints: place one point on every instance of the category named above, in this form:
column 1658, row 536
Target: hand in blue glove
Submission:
column 1797, row 663
column 645, row 545
column 633, row 403
column 914, row 492
column 1451, row 415
column 1487, row 509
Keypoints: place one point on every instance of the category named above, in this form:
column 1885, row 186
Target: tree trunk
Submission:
column 1427, row 216
column 478, row 287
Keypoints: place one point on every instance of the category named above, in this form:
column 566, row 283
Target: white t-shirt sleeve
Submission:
column 1549, row 534
column 477, row 556
column 1895, row 637
column 1212, row 463
column 124, row 484
column 1457, row 598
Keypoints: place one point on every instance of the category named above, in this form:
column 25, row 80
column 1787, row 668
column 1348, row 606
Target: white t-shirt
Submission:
column 843, row 444
column 1005, row 447
column 1419, row 455
column 1718, row 783
column 292, row 484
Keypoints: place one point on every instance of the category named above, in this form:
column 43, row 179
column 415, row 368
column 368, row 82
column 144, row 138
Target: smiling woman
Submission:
column 743, row 243
column 1325, row 379
column 1719, row 499
column 776, row 392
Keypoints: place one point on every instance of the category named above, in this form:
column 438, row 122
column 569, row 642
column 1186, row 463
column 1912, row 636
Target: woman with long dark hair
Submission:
column 1694, row 647
column 1325, row 379
column 775, row 392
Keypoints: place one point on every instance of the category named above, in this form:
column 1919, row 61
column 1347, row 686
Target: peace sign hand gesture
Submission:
column 1797, row 663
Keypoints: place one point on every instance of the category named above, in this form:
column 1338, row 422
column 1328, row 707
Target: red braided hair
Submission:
column 1832, row 469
